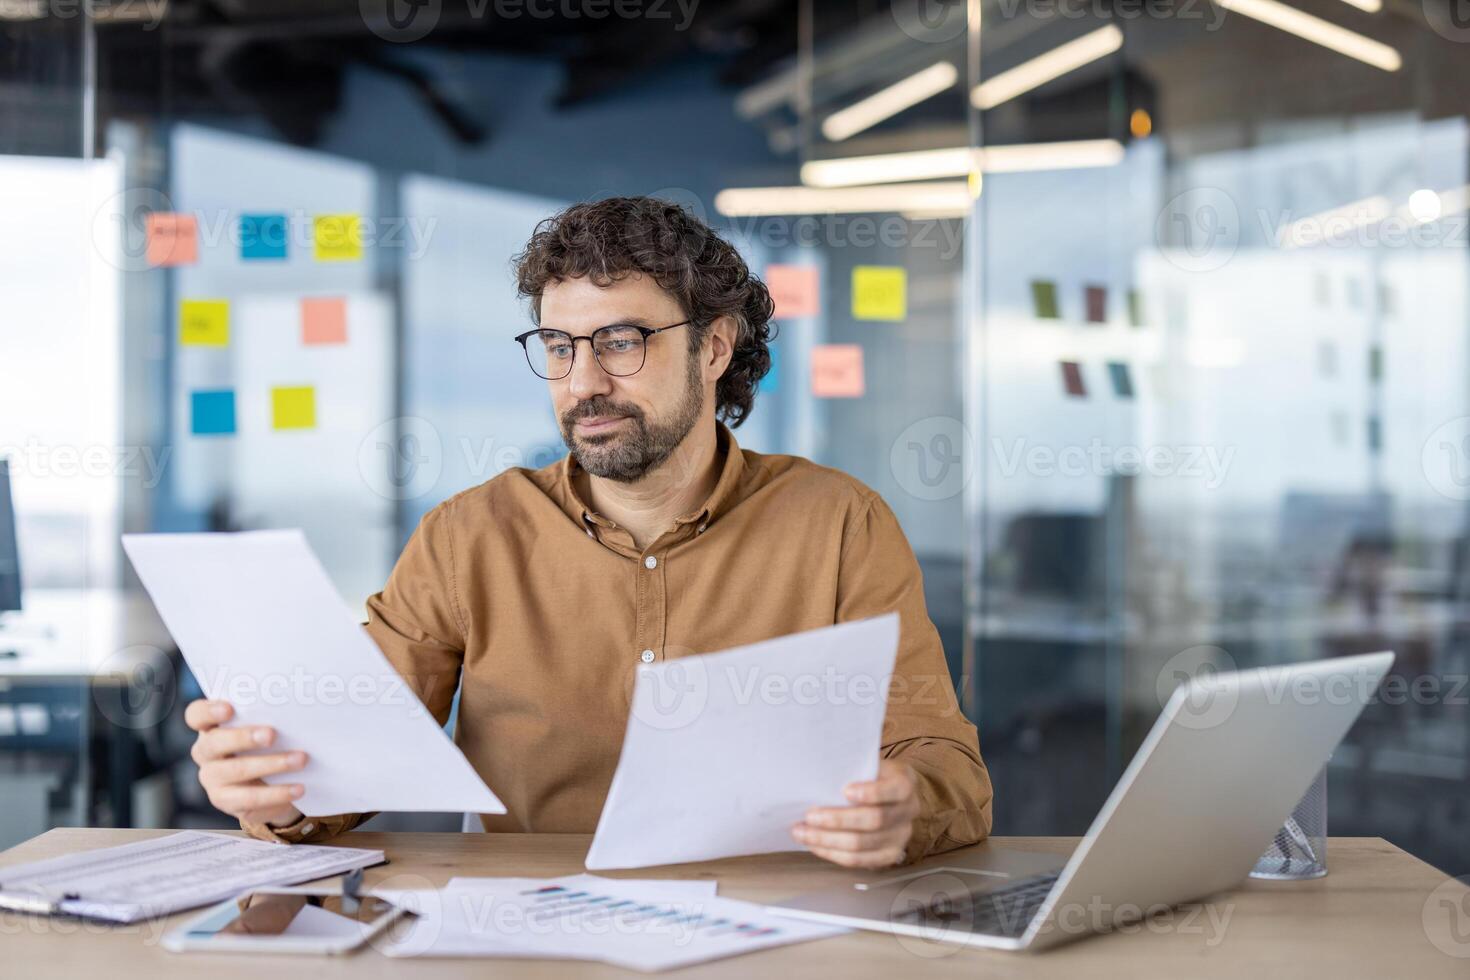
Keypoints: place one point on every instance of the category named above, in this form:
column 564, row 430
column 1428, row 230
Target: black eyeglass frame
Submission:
column 645, row 331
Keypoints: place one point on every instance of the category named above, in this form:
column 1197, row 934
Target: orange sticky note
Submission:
column 837, row 371
column 794, row 290
column 323, row 320
column 173, row 239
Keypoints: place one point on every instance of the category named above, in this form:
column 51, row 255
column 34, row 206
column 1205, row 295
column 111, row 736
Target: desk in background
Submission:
column 1365, row 919
column 86, row 662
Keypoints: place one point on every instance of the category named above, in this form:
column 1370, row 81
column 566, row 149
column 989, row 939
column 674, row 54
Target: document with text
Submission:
column 146, row 879
column 261, row 626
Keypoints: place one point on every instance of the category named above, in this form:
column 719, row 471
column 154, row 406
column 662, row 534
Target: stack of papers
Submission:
column 639, row 925
column 158, row 877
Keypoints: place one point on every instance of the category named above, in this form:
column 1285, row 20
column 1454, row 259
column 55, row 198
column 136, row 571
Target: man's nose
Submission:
column 588, row 379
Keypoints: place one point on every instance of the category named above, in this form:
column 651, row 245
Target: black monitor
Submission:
column 9, row 551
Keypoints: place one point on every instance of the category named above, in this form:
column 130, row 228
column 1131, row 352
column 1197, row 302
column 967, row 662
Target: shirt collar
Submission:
column 721, row 498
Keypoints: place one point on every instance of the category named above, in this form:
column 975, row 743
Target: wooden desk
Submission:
column 1365, row 919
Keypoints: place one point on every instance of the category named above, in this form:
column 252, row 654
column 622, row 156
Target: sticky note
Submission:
column 323, row 320
column 772, row 379
column 262, row 236
column 204, row 322
column 1072, row 379
column 337, row 237
column 795, row 290
column 212, row 413
column 172, row 239
column 1135, row 308
column 1122, row 380
column 879, row 292
column 837, row 371
column 1097, row 304
column 293, row 408
column 1044, row 299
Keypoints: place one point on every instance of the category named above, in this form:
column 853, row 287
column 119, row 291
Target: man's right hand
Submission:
column 234, row 782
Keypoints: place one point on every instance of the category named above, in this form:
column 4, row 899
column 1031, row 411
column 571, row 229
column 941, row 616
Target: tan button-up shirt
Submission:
column 544, row 611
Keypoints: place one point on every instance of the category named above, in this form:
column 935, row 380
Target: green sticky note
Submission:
column 879, row 292
column 204, row 323
column 293, row 408
column 1044, row 299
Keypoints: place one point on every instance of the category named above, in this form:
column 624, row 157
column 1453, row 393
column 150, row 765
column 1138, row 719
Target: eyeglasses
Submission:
column 620, row 349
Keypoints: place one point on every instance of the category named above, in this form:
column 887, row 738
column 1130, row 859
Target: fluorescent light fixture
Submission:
column 746, row 202
column 1054, row 64
column 1426, row 206
column 890, row 101
column 1318, row 31
column 1071, row 155
column 960, row 161
column 1371, row 6
column 1334, row 222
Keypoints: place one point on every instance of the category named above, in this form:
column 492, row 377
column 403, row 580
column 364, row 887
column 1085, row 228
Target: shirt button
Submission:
column 650, row 562
column 646, row 656
column 308, row 827
column 700, row 529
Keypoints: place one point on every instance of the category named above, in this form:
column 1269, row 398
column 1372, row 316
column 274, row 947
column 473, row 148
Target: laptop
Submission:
column 1227, row 761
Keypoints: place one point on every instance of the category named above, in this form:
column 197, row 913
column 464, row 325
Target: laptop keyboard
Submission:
column 1004, row 911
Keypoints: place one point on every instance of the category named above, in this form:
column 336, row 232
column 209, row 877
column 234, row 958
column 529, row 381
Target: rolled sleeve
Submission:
column 923, row 726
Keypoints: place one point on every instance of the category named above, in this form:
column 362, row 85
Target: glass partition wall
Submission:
column 1217, row 385
column 1183, row 353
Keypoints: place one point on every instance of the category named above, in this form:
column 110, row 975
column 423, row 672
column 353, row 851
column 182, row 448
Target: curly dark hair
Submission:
column 615, row 237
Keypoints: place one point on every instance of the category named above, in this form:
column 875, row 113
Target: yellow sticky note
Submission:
column 879, row 292
column 293, row 408
column 337, row 237
column 204, row 323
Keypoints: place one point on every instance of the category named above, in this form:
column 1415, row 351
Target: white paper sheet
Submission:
column 662, row 889
column 725, row 752
column 261, row 626
column 156, row 877
column 632, row 924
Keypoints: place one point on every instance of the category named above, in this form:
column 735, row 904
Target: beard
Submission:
column 640, row 446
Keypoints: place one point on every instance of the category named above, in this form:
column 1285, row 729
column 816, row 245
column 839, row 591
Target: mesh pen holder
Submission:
column 1299, row 849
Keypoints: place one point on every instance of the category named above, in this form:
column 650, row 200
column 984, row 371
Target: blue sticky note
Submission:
column 212, row 413
column 772, row 380
column 262, row 236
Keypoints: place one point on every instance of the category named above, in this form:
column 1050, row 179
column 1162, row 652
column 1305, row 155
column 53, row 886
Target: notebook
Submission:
column 157, row 877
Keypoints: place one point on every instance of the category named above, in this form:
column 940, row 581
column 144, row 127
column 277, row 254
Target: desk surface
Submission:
column 97, row 634
column 1372, row 916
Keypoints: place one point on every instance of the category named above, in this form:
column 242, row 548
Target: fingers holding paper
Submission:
column 235, row 783
column 874, row 829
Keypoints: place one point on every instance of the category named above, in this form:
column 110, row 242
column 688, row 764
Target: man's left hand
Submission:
column 871, row 832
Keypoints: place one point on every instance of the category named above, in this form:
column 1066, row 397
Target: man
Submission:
column 542, row 592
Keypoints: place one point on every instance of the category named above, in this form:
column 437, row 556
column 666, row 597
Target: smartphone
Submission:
column 285, row 920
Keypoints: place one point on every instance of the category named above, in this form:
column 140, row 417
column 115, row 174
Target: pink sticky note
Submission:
column 324, row 320
column 172, row 239
column 837, row 371
column 794, row 290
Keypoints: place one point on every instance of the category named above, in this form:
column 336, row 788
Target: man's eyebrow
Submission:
column 627, row 321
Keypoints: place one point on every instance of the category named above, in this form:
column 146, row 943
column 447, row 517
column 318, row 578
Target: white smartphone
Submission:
column 285, row 920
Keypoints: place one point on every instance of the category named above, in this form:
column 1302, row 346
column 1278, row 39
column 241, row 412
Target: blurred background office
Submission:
column 1149, row 318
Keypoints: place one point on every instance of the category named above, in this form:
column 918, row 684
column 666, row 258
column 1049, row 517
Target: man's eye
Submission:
column 618, row 346
column 559, row 350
